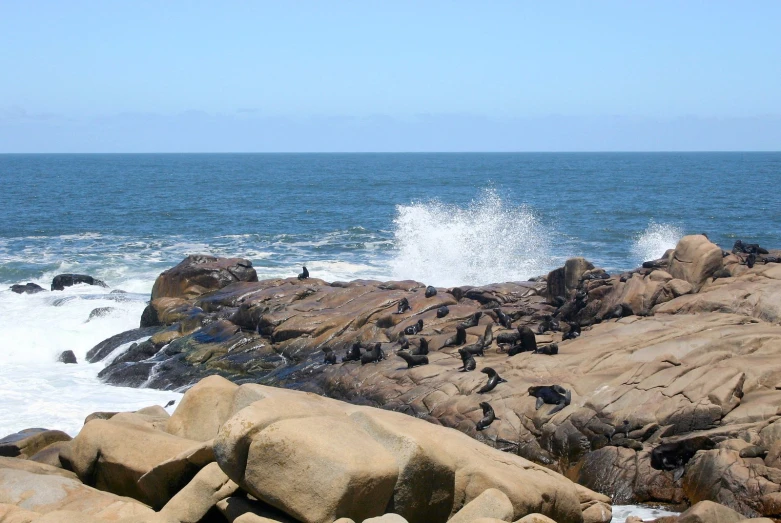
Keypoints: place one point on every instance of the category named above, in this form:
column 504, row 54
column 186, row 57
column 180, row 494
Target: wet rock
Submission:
column 28, row 288
column 107, row 346
column 67, row 357
column 67, row 280
column 101, row 312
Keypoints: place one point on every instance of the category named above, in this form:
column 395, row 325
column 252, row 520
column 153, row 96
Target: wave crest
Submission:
column 487, row 241
column 652, row 243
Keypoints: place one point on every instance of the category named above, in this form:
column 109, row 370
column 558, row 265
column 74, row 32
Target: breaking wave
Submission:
column 652, row 243
column 487, row 241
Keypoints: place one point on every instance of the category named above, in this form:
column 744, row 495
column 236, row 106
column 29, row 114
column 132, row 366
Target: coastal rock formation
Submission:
column 671, row 370
column 301, row 457
column 67, row 280
column 198, row 274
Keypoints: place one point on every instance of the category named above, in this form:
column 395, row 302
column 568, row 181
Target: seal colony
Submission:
column 606, row 368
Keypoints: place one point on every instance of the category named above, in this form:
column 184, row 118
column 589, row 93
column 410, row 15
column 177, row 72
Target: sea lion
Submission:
column 573, row 332
column 414, row 329
column 413, row 360
column 747, row 248
column 467, row 360
column 558, row 301
column 766, row 259
column 353, row 354
column 488, row 335
column 504, row 319
column 722, row 273
column 459, row 338
column 675, row 456
column 754, row 451
column 553, row 395
column 304, row 275
column 330, row 357
column 508, row 338
column 373, row 356
column 403, row 306
column 751, row 259
column 527, row 341
column 493, row 380
column 619, row 311
column 430, row 291
column 169, row 404
column 488, row 416
column 549, row 323
column 404, row 342
column 549, row 350
column 443, row 311
column 472, row 321
column 475, row 349
column 422, row 350
column 457, row 293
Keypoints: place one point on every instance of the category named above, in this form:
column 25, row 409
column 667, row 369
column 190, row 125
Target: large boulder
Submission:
column 114, row 454
column 28, row 442
column 695, row 259
column 203, row 409
column 28, row 288
column 199, row 273
column 492, row 503
column 709, row 512
column 194, row 501
column 42, row 489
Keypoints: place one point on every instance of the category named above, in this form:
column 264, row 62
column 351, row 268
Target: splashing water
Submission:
column 652, row 243
column 488, row 241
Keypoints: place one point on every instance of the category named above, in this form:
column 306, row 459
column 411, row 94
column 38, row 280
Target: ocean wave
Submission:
column 489, row 240
column 652, row 243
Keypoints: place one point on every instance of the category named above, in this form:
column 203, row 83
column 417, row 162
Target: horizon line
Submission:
column 668, row 151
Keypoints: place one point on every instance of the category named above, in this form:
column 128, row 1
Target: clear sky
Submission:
column 194, row 76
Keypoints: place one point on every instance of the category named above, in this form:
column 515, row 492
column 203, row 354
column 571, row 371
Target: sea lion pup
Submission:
column 304, row 275
column 414, row 329
column 751, row 259
column 504, row 319
column 766, row 259
column 493, row 380
column 373, row 356
column 353, row 353
column 404, row 342
column 330, row 357
column 422, row 350
column 553, row 395
column 472, row 321
column 573, row 332
column 403, row 306
column 488, row 416
column 413, row 360
column 467, row 360
column 618, row 312
column 443, row 311
column 549, row 350
column 558, row 301
column 459, row 338
column 475, row 349
column 457, row 293
column 430, row 291
column 548, row 324
column 527, row 341
column 675, row 456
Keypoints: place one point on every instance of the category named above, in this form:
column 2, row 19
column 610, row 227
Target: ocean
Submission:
column 443, row 219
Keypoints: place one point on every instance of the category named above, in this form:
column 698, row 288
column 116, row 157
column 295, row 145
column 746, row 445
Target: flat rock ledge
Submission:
column 672, row 370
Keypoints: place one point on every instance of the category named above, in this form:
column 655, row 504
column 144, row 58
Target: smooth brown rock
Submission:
column 13, row 514
column 492, row 503
column 695, row 259
column 165, row 479
column 203, row 409
column 198, row 274
column 27, row 442
column 113, row 455
column 50, row 455
column 192, row 503
column 709, row 512
column 535, row 518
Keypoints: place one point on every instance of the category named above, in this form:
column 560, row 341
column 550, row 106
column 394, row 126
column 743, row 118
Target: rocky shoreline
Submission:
column 656, row 385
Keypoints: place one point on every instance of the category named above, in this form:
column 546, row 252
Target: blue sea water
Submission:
column 443, row 219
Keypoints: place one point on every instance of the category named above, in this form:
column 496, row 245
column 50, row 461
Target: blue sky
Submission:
column 395, row 75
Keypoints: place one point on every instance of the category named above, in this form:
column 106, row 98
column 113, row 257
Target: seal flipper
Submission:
column 557, row 408
column 678, row 474
column 540, row 402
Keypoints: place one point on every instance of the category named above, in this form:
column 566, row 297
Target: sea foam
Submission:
column 489, row 240
column 652, row 243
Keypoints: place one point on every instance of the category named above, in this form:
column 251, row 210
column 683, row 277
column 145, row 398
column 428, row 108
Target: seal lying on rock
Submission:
column 413, row 360
column 548, row 350
column 430, row 292
column 504, row 319
column 467, row 360
column 551, row 394
column 573, row 332
column 548, row 324
column 403, row 306
column 373, row 356
column 527, row 341
column 443, row 311
column 493, row 380
column 330, row 357
column 488, row 416
column 353, row 354
column 414, row 329
column 747, row 248
column 304, row 274
column 675, row 456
